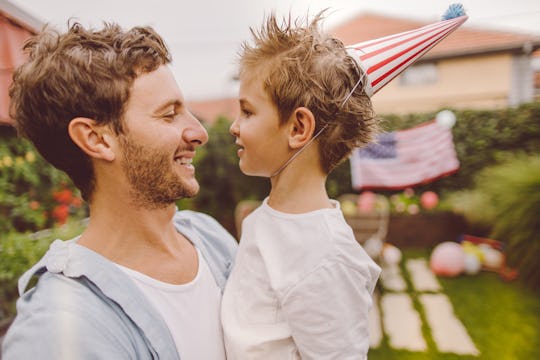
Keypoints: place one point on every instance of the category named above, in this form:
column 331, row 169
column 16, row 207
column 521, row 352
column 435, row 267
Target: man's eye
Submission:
column 169, row 115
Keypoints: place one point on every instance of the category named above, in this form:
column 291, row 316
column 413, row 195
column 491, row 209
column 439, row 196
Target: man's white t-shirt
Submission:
column 191, row 311
column 300, row 289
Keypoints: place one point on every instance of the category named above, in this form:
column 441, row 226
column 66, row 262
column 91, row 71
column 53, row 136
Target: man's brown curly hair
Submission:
column 80, row 73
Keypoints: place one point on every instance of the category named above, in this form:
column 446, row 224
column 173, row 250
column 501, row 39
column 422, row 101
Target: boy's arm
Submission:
column 328, row 313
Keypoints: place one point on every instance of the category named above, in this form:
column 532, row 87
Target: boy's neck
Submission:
column 298, row 191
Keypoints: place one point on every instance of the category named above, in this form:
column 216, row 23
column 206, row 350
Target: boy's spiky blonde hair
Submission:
column 302, row 66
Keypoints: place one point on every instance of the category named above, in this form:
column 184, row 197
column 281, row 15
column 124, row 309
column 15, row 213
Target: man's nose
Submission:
column 234, row 129
column 195, row 133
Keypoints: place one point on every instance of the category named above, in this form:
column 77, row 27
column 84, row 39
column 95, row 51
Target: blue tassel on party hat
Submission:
column 454, row 11
column 385, row 58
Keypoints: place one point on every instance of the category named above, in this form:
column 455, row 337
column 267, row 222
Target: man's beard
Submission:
column 154, row 184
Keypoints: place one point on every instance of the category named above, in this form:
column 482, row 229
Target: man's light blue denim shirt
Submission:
column 85, row 307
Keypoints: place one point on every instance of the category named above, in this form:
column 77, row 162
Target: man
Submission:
column 143, row 280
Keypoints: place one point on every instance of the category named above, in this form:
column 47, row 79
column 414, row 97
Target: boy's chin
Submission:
column 252, row 172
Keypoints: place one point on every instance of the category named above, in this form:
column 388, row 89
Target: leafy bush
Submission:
column 222, row 183
column 481, row 138
column 19, row 251
column 507, row 196
column 34, row 195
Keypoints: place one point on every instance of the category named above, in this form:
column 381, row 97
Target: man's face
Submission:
column 160, row 141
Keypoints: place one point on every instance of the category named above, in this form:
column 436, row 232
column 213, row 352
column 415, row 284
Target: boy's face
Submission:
column 160, row 141
column 263, row 142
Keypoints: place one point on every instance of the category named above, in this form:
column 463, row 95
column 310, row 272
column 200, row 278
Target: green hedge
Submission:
column 34, row 195
column 19, row 251
column 30, row 186
column 222, row 183
column 507, row 197
column 482, row 138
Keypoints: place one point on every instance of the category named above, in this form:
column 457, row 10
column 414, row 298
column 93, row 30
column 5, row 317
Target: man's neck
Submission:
column 141, row 239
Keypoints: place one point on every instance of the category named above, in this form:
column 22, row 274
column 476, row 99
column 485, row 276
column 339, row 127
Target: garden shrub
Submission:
column 33, row 194
column 507, row 196
column 222, row 183
column 19, row 251
column 481, row 138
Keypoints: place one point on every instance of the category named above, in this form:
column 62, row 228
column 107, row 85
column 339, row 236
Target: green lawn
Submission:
column 502, row 318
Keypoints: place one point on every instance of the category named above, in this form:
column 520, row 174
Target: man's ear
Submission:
column 301, row 127
column 95, row 140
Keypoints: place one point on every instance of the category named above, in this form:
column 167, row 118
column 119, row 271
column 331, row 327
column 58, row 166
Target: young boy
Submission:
column 302, row 285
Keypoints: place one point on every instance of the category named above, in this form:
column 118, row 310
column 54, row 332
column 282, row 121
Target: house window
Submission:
column 421, row 74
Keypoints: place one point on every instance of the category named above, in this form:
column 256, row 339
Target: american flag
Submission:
column 405, row 158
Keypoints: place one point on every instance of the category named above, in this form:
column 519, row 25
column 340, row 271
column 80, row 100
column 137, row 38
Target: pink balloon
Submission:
column 447, row 259
column 366, row 201
column 429, row 200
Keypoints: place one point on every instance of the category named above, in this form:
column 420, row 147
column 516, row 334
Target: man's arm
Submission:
column 63, row 334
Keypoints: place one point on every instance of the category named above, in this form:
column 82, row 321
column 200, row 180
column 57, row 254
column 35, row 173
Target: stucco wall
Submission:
column 482, row 81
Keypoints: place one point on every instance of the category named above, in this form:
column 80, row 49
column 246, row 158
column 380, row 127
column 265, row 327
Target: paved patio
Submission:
column 394, row 313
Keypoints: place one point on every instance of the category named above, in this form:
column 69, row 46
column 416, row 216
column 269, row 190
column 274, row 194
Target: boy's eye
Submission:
column 246, row 112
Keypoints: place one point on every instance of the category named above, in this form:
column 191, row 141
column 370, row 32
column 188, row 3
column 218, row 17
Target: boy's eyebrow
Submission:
column 243, row 102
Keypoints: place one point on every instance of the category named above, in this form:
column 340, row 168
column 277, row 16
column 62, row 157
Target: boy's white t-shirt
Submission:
column 301, row 287
column 190, row 310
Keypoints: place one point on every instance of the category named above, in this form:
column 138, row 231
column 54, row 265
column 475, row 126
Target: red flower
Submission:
column 63, row 196
column 76, row 202
column 60, row 213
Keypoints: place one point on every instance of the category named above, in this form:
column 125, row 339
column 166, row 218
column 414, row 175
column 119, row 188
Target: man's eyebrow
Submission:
column 176, row 103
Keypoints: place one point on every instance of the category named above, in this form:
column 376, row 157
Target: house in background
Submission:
column 471, row 68
column 16, row 26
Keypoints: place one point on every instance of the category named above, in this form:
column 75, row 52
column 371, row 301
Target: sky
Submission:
column 204, row 36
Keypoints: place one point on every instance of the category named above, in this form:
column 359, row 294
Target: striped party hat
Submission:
column 385, row 58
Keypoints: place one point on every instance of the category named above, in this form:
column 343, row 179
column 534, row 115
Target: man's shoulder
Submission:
column 195, row 217
column 57, row 309
column 217, row 245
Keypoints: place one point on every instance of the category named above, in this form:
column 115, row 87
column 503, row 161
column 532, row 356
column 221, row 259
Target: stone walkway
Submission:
column 394, row 313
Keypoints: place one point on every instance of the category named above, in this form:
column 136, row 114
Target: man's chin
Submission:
column 190, row 191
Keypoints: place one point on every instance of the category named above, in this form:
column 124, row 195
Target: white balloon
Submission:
column 472, row 264
column 493, row 258
column 446, row 118
column 391, row 255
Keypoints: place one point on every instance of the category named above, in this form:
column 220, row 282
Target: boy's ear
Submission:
column 301, row 127
column 95, row 140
